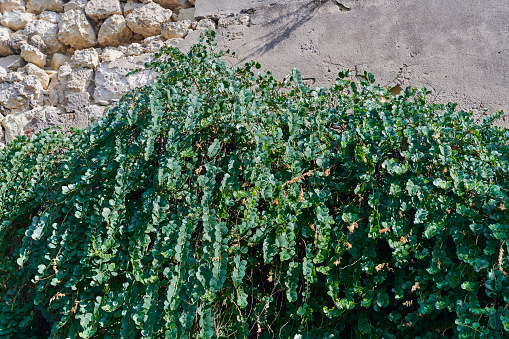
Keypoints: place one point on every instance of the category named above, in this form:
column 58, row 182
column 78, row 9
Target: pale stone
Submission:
column 77, row 101
column 12, row 62
column 172, row 30
column 3, row 74
column 50, row 17
column 111, row 81
column 48, row 117
column 154, row 43
column 80, row 79
column 206, row 24
column 48, row 32
column 12, row 5
column 85, row 58
column 134, row 49
column 15, row 96
column 14, row 77
column 76, row 31
column 58, row 60
column 41, row 75
column 33, row 55
column 111, row 54
column 2, row 137
column 101, row 9
column 17, row 123
column 94, row 112
column 38, row 42
column 38, row 6
column 147, row 20
column 131, row 6
column 186, row 14
column 75, row 5
column 114, row 31
column 174, row 5
column 233, row 19
column 5, row 41
column 16, row 20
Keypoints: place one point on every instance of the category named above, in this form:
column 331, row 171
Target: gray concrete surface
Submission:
column 459, row 49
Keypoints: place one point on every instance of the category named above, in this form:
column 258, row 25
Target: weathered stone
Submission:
column 3, row 74
column 33, row 55
column 94, row 112
column 38, row 6
column 58, row 60
column 50, row 17
column 38, row 42
column 80, row 79
column 111, row 81
column 114, row 31
column 153, row 43
column 186, row 14
column 12, row 5
column 206, row 24
column 17, row 123
column 14, row 77
column 12, row 62
column 101, row 9
column 75, row 5
column 75, row 30
column 147, row 20
column 77, row 101
column 2, row 137
column 174, row 5
column 233, row 19
column 131, row 6
column 47, row 117
column 111, row 54
column 48, row 32
column 41, row 75
column 25, row 93
column 172, row 30
column 5, row 41
column 16, row 20
column 134, row 49
column 85, row 58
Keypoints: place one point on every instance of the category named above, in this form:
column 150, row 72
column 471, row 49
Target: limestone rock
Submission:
column 206, row 24
column 47, row 117
column 48, row 32
column 191, row 2
column 186, row 14
column 49, row 16
column 38, row 6
column 94, row 112
column 58, row 60
column 12, row 62
column 101, row 9
column 17, row 123
column 76, row 31
column 75, row 5
column 114, row 31
column 172, row 30
column 77, row 101
column 12, row 5
column 15, row 96
column 80, row 79
column 85, row 58
column 233, row 19
column 111, row 81
column 14, row 77
column 41, row 75
column 16, row 20
column 2, row 138
column 130, row 6
column 174, row 5
column 147, row 20
column 33, row 55
column 5, row 41
column 111, row 54
column 3, row 74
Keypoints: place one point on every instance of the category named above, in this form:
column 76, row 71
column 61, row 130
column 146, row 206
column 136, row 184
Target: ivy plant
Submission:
column 219, row 202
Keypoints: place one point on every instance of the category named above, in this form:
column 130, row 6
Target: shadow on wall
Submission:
column 282, row 28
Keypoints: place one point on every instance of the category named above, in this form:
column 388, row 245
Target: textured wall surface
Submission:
column 63, row 62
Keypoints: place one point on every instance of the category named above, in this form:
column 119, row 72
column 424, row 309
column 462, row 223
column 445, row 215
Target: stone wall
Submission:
column 63, row 62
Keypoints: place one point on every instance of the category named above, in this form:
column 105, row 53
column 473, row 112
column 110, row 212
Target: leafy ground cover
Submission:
column 218, row 203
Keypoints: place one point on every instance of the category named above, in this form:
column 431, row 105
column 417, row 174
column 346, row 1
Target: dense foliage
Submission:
column 218, row 203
